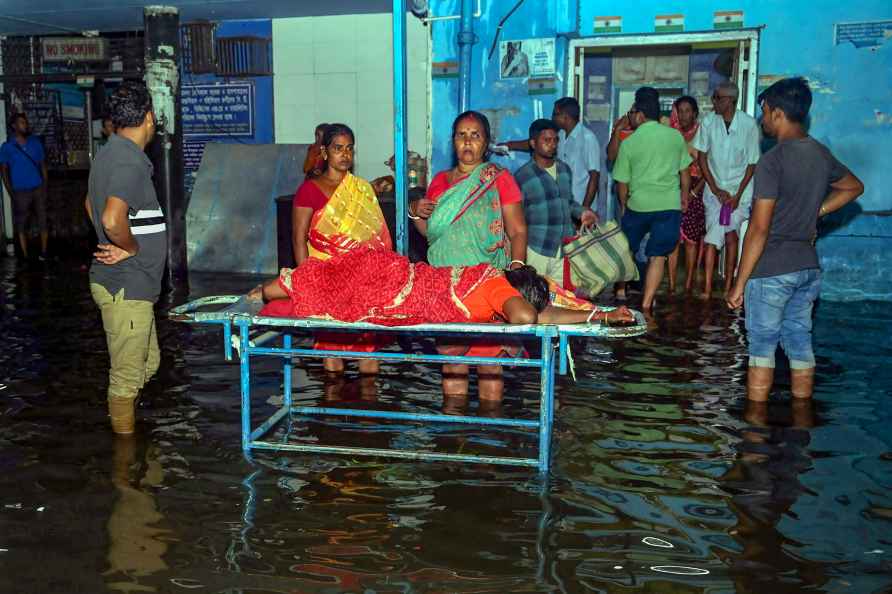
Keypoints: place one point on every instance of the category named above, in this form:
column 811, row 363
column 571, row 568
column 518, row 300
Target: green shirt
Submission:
column 649, row 162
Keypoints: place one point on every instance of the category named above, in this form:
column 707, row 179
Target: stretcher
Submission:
column 251, row 335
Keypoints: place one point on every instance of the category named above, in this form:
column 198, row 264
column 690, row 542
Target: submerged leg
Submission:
column 455, row 380
column 490, row 382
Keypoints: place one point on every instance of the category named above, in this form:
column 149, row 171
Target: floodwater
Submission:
column 663, row 482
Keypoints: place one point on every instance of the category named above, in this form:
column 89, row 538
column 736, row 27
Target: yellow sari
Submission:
column 351, row 217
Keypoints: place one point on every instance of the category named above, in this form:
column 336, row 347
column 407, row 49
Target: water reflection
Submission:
column 137, row 541
column 664, row 480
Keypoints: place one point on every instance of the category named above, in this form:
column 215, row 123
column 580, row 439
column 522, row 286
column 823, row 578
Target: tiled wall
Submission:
column 340, row 69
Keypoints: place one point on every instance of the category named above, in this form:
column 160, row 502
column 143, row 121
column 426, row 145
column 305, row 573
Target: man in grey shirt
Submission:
column 125, row 277
column 779, row 276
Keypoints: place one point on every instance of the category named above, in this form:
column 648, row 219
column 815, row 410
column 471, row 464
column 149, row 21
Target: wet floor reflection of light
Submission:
column 664, row 478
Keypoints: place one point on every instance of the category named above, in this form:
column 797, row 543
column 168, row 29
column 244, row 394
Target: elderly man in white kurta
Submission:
column 728, row 142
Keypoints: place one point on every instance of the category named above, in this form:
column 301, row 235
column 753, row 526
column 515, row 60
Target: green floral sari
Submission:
column 466, row 227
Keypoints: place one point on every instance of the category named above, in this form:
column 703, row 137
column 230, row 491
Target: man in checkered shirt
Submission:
column 549, row 208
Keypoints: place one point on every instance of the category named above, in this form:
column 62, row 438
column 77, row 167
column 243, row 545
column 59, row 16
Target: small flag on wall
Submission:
column 727, row 19
column 669, row 23
column 444, row 70
column 608, row 24
column 541, row 86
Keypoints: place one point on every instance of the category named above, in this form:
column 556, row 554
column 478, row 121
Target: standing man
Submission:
column 546, row 185
column 24, row 176
column 653, row 182
column 780, row 276
column 579, row 148
column 728, row 143
column 125, row 278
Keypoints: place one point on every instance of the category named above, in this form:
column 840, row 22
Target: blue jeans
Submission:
column 778, row 309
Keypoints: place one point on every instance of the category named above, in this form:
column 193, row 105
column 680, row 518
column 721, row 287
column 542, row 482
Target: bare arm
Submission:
column 116, row 225
column 519, row 311
column 518, row 145
column 561, row 315
column 842, row 192
column 421, row 209
column 516, row 230
column 622, row 192
column 300, row 231
column 685, row 181
column 703, row 161
column 591, row 190
column 747, row 176
column 613, row 145
column 4, row 171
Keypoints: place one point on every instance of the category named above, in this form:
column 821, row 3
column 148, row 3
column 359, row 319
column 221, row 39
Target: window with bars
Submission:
column 244, row 56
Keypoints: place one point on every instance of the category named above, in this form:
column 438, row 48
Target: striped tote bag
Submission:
column 598, row 258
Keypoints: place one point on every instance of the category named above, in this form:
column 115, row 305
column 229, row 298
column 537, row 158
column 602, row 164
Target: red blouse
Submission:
column 509, row 192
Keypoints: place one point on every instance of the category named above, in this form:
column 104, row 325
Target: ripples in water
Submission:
column 664, row 481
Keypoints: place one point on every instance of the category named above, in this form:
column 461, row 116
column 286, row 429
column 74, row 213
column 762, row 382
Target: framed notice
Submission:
column 218, row 110
column 525, row 58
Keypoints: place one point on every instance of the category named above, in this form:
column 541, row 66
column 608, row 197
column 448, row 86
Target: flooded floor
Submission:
column 663, row 482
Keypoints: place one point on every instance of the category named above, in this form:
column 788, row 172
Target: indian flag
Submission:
column 727, row 19
column 608, row 24
column 444, row 70
column 541, row 86
column 669, row 23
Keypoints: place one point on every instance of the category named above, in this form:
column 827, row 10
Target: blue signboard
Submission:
column 218, row 110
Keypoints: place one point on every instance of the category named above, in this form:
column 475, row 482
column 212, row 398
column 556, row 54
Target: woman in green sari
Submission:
column 473, row 214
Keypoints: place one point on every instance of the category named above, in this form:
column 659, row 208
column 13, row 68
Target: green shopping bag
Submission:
column 595, row 259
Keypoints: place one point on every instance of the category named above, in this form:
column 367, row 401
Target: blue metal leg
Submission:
column 400, row 125
column 245, row 368
column 546, row 403
column 227, row 340
column 562, row 353
column 286, row 370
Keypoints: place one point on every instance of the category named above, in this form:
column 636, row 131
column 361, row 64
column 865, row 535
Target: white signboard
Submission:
column 525, row 58
column 74, row 49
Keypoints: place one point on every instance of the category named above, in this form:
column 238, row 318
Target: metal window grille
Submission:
column 197, row 48
column 244, row 56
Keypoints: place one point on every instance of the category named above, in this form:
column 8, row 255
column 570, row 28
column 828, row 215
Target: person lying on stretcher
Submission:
column 383, row 287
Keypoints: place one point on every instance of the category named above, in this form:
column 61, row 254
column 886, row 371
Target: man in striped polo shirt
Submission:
column 125, row 277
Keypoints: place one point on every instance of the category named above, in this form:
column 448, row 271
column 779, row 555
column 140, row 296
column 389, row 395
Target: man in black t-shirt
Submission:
column 125, row 277
column 779, row 276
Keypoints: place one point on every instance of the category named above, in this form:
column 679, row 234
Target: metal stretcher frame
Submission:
column 241, row 315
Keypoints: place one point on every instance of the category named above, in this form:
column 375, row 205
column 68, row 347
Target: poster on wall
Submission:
column 527, row 58
column 213, row 112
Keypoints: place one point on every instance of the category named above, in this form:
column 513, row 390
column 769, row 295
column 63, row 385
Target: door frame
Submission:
column 747, row 71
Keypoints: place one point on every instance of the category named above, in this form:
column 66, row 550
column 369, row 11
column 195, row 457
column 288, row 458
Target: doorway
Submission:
column 605, row 71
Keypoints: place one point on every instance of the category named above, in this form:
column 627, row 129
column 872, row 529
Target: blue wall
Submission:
column 263, row 93
column 852, row 111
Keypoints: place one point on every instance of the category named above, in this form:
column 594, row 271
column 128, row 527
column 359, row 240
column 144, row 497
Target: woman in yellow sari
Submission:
column 334, row 213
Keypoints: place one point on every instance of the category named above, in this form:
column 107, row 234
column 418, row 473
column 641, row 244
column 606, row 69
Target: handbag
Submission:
column 596, row 259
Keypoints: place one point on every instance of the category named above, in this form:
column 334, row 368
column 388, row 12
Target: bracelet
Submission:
column 413, row 217
column 521, row 262
column 823, row 210
column 606, row 323
column 588, row 320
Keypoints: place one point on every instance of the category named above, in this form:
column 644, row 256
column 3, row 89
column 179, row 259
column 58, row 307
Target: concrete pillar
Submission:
column 162, row 47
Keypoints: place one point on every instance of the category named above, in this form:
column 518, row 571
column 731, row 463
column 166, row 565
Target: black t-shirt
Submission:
column 796, row 174
column 121, row 169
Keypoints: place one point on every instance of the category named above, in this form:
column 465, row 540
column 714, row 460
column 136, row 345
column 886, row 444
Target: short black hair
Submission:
column 321, row 128
column 790, row 95
column 541, row 125
column 10, row 122
column 530, row 285
column 482, row 120
column 568, row 106
column 690, row 101
column 647, row 101
column 129, row 104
